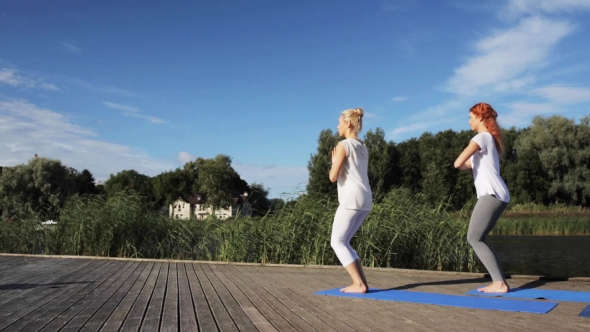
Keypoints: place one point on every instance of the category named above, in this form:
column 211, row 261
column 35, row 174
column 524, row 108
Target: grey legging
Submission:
column 485, row 215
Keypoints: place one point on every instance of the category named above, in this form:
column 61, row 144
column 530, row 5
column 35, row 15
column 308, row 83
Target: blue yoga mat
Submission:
column 547, row 294
column 585, row 312
column 460, row 301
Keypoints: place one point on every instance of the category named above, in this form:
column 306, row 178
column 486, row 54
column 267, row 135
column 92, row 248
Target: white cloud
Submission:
column 118, row 91
column 26, row 129
column 399, row 99
column 369, row 115
column 153, row 119
column 11, row 77
column 120, row 107
column 132, row 111
column 516, row 7
column 106, row 89
column 283, row 181
column 521, row 113
column 563, row 94
column 515, row 84
column 49, row 87
column 411, row 128
column 439, row 110
column 503, row 59
column 71, row 48
column 144, row 117
column 185, row 157
column 8, row 77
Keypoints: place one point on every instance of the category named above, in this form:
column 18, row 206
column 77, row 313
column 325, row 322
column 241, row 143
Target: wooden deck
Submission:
column 77, row 294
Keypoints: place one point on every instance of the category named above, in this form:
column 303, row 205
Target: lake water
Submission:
column 555, row 256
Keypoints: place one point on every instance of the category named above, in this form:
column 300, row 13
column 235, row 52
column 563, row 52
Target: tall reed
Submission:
column 402, row 231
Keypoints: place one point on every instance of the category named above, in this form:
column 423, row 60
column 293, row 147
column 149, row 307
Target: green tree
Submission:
column 434, row 187
column 192, row 172
column 169, row 186
column 409, row 163
column 218, row 181
column 381, row 169
column 258, row 197
column 130, row 180
column 276, row 204
column 319, row 165
column 562, row 149
column 41, row 185
column 80, row 182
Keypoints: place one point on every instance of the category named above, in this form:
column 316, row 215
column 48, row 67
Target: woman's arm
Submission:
column 466, row 166
column 462, row 161
column 338, row 156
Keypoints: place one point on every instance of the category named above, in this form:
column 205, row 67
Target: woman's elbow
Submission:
column 457, row 164
column 333, row 178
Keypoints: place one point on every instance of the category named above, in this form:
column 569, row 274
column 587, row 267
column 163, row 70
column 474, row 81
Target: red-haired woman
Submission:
column 482, row 158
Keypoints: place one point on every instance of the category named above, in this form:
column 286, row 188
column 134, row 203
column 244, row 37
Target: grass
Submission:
column 402, row 231
column 534, row 219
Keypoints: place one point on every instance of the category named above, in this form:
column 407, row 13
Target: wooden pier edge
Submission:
column 307, row 266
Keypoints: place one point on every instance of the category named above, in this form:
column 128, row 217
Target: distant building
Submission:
column 195, row 207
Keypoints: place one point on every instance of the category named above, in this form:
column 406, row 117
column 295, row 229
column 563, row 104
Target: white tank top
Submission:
column 354, row 190
column 486, row 168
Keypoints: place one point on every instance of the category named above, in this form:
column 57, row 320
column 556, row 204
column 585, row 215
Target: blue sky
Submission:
column 149, row 85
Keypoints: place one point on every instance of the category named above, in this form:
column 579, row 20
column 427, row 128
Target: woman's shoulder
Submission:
column 484, row 135
column 354, row 141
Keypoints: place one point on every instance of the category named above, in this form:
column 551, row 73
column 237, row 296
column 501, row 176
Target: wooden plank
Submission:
column 260, row 303
column 15, row 266
column 188, row 318
column 135, row 317
column 116, row 319
column 297, row 309
column 34, row 274
column 170, row 311
column 229, row 300
column 31, row 299
column 41, row 283
column 247, row 303
column 282, row 309
column 205, row 318
column 52, row 307
column 222, row 318
column 94, row 304
column 26, row 269
column 270, row 297
column 153, row 315
column 82, row 301
column 10, row 266
column 106, row 309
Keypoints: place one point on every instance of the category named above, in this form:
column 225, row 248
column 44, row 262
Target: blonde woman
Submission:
column 482, row 158
column 350, row 160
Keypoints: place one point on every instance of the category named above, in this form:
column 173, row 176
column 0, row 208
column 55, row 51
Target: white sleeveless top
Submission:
column 354, row 190
column 486, row 168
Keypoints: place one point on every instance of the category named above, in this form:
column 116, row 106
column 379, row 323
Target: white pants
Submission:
column 346, row 223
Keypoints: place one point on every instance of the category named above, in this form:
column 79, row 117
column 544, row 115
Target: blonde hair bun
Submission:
column 355, row 117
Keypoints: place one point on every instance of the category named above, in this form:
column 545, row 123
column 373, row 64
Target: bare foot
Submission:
column 354, row 288
column 495, row 287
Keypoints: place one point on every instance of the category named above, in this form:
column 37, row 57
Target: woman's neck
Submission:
column 351, row 135
column 482, row 129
